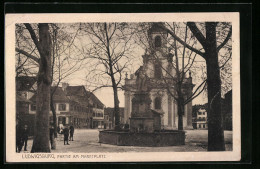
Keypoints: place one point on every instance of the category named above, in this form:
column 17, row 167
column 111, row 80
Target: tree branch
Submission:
column 197, row 33
column 226, row 40
column 226, row 61
column 28, row 55
column 181, row 41
column 33, row 36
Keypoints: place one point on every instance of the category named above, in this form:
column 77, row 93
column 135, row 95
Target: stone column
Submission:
column 169, row 111
column 189, row 115
column 174, row 112
column 131, row 94
column 164, row 107
column 126, row 111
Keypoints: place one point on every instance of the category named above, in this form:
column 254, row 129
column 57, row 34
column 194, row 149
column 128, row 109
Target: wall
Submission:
column 57, row 109
column 170, row 138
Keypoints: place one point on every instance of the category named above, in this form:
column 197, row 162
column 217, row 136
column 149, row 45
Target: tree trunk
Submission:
column 114, row 85
column 215, row 128
column 116, row 108
column 54, row 123
column 54, row 117
column 180, row 105
column 41, row 133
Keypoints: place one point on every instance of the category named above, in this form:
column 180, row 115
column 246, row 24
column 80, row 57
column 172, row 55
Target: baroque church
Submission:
column 156, row 62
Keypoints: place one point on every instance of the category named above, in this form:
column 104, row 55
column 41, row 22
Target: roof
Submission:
column 25, row 83
column 75, row 90
column 77, row 94
column 81, row 91
column 95, row 99
column 59, row 95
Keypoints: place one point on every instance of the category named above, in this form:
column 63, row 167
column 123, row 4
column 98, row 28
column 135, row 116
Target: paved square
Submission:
column 86, row 141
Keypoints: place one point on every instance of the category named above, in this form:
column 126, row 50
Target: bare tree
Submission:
column 43, row 46
column 65, row 61
column 64, row 58
column 108, row 53
column 207, row 36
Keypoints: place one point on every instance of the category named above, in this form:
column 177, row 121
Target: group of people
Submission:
column 68, row 133
column 22, row 134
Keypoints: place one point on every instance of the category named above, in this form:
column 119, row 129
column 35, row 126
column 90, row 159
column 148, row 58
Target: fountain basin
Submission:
column 155, row 139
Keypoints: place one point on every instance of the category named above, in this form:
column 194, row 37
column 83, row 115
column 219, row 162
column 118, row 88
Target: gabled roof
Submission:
column 94, row 99
column 59, row 95
column 25, row 83
column 80, row 91
column 77, row 94
column 75, row 90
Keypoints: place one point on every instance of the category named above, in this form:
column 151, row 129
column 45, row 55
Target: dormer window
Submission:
column 157, row 41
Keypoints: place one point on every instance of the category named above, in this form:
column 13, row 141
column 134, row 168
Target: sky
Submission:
column 105, row 95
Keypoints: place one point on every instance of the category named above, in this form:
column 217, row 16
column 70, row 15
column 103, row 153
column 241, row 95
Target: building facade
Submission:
column 155, row 61
column 227, row 111
column 25, row 89
column 201, row 119
column 74, row 105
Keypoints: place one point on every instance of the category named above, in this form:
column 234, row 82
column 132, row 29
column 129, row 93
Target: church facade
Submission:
column 157, row 66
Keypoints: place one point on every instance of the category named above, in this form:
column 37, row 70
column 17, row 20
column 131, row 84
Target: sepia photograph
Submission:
column 122, row 87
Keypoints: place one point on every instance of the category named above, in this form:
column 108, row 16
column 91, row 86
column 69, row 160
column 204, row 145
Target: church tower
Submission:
column 156, row 57
column 156, row 61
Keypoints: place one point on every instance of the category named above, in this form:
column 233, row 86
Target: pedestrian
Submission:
column 66, row 135
column 52, row 136
column 71, row 132
column 19, row 143
column 61, row 128
column 25, row 135
column 58, row 129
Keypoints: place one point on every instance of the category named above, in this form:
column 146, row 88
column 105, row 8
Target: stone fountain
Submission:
column 145, row 123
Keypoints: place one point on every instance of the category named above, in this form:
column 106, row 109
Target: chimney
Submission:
column 64, row 86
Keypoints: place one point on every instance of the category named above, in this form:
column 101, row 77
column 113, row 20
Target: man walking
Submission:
column 25, row 135
column 66, row 135
column 71, row 132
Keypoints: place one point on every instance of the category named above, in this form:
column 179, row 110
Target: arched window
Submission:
column 157, row 71
column 157, row 41
column 157, row 103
